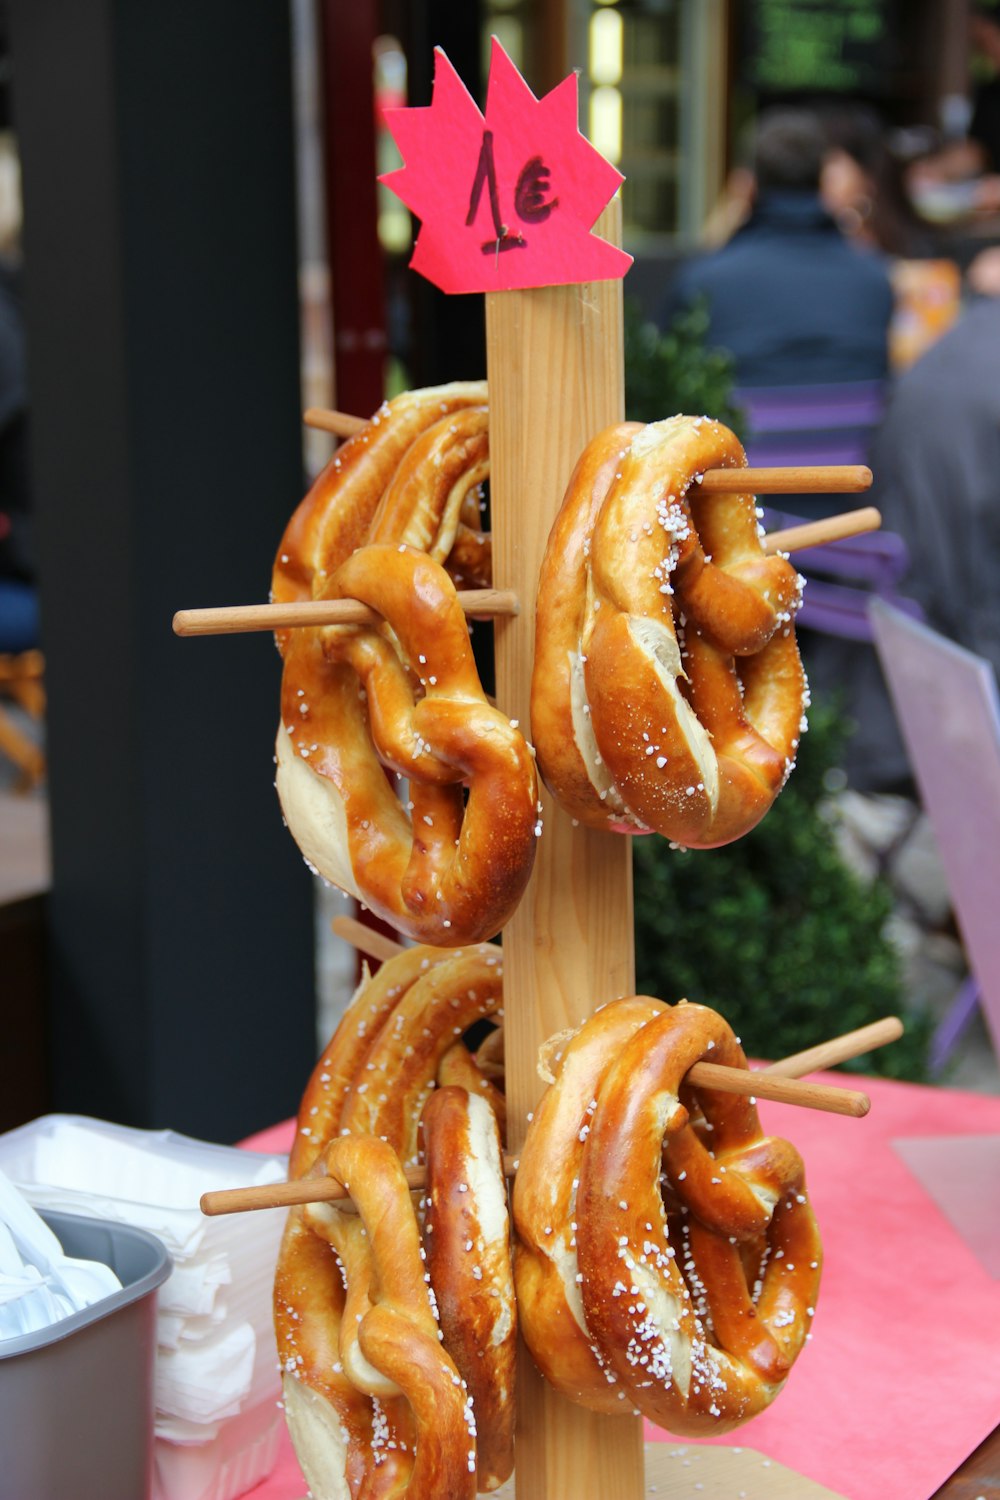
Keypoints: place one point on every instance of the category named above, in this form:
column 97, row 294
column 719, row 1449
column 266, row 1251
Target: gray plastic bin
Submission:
column 76, row 1399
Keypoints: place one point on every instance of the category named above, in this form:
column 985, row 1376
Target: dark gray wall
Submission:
column 157, row 150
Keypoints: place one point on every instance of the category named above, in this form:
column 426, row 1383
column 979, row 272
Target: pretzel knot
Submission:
column 700, row 1312
column 668, row 694
column 405, row 696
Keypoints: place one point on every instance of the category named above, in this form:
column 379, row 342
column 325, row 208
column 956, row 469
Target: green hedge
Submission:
column 774, row 931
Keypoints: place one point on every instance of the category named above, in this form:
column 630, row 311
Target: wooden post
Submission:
column 556, row 374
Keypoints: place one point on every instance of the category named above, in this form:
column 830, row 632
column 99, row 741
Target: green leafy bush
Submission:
column 667, row 373
column 774, row 931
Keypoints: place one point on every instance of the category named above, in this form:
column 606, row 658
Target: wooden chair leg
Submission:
column 25, row 755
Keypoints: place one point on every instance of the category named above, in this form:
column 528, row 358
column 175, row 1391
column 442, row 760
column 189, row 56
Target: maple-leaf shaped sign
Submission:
column 508, row 200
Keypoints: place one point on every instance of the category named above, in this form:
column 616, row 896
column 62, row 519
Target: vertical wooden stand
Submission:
column 556, row 377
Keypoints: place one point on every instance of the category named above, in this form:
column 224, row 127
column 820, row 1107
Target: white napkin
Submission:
column 207, row 1381
column 39, row 1285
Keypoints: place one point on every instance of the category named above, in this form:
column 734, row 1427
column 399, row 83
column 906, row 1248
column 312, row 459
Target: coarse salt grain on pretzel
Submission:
column 467, row 1236
column 546, row 1211
column 390, row 1344
column 701, row 1313
column 438, row 869
column 335, row 517
column 667, row 694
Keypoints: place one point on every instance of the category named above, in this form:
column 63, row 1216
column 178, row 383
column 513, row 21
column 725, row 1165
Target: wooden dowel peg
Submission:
column 813, row 479
column 367, row 941
column 818, row 533
column 237, row 619
column 340, row 423
column 839, row 1049
column 779, row 1089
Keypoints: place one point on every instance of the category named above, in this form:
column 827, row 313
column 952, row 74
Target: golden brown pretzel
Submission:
column 437, row 869
column 373, row 1076
column 390, row 1088
column 331, row 1423
column 341, row 1060
column 698, row 1342
column 432, row 499
column 335, row 516
column 546, row 1215
column 667, row 693
column 390, row 1345
column 467, row 1236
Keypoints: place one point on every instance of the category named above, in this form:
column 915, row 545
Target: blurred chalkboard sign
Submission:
column 819, row 46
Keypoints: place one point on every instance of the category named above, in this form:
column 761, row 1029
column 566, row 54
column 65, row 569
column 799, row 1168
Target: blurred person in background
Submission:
column 788, row 296
column 864, row 187
column 936, row 461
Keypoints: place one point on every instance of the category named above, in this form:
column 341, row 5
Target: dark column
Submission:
column 157, row 153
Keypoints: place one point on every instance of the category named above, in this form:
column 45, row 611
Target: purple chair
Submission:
column 828, row 424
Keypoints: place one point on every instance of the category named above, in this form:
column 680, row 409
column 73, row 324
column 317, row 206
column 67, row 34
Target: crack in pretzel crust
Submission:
column 373, row 1407
column 697, row 1257
column 667, row 694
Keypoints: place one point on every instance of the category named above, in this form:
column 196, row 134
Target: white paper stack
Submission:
column 217, row 1385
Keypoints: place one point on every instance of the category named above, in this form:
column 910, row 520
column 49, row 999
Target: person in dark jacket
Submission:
column 788, row 296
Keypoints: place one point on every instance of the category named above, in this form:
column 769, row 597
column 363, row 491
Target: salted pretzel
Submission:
column 546, row 1216
column 700, row 1312
column 336, row 515
column 390, row 1088
column 373, row 1080
column 360, row 700
column 667, row 692
column 389, row 1338
column 467, row 1237
column 432, row 501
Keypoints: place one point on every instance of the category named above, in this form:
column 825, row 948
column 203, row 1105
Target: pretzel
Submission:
column 449, row 874
column 432, row 500
column 335, row 516
column 469, row 1261
column 546, row 1215
column 341, row 1060
column 667, row 692
column 701, row 1315
column 389, row 1090
column 374, row 1077
column 389, row 1339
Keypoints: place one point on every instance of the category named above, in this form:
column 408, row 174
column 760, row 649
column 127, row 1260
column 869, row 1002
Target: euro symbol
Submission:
column 529, row 196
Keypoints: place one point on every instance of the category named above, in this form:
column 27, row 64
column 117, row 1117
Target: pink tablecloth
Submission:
column 902, row 1378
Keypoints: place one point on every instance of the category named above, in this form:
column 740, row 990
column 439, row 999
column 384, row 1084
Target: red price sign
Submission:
column 522, row 179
